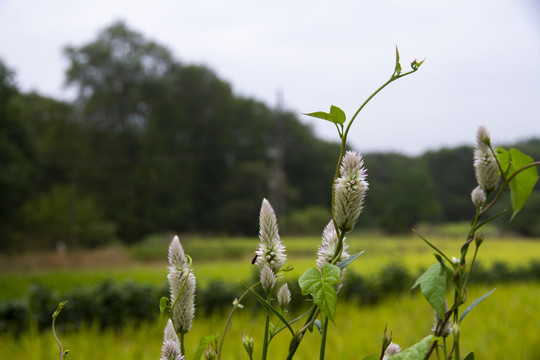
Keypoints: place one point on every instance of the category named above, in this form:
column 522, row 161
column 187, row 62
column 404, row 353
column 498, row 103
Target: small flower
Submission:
column 271, row 249
column 478, row 197
column 327, row 249
column 485, row 163
column 268, row 278
column 283, row 296
column 392, row 349
column 182, row 283
column 170, row 350
column 349, row 191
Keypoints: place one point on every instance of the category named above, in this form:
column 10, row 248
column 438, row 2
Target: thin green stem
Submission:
column 56, row 338
column 346, row 132
column 297, row 338
column 505, row 184
column 229, row 319
column 324, row 331
column 182, row 344
column 266, row 328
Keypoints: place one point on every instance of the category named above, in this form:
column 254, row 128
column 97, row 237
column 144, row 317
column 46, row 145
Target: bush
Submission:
column 128, row 303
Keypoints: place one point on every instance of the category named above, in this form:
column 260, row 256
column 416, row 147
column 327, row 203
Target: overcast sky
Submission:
column 482, row 58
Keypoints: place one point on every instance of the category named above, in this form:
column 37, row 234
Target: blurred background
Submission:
column 125, row 122
column 124, row 119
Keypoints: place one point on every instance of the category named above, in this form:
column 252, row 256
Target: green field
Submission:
column 505, row 324
column 230, row 259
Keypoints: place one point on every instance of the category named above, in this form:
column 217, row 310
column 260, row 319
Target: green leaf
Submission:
column 504, row 158
column 397, row 70
column 205, row 341
column 336, row 115
column 474, row 303
column 163, row 305
column 320, row 284
column 372, row 357
column 470, row 356
column 416, row 352
column 344, row 263
column 433, row 286
column 269, row 307
column 522, row 185
column 432, row 246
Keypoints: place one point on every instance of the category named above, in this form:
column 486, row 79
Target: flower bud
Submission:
column 210, row 352
column 479, row 239
column 392, row 349
column 268, row 278
column 478, row 197
column 283, row 296
column 485, row 164
column 249, row 344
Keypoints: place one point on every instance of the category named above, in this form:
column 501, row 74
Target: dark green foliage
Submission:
column 154, row 145
column 453, row 178
column 401, row 192
column 217, row 296
column 128, row 303
column 16, row 157
column 394, row 278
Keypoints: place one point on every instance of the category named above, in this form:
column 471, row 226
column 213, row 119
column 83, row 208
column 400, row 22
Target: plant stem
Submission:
column 229, row 319
column 295, row 341
column 324, row 330
column 182, row 346
column 266, row 328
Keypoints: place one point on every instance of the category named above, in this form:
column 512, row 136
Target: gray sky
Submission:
column 482, row 58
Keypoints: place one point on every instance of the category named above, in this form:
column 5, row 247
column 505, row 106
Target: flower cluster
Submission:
column 349, row 191
column 182, row 284
column 270, row 251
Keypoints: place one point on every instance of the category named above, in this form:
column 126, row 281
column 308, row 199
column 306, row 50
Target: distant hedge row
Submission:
column 128, row 303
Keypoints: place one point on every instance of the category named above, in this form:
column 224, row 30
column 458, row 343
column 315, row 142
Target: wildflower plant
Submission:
column 495, row 169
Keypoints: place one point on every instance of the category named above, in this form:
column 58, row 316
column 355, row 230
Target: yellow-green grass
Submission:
column 410, row 251
column 505, row 325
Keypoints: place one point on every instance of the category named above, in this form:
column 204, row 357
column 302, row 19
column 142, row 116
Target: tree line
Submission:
column 151, row 144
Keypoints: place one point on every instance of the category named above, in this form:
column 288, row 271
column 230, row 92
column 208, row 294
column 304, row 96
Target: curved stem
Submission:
column 229, row 319
column 505, row 184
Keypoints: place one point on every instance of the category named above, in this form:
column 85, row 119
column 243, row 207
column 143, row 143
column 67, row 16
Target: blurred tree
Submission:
column 16, row 156
column 171, row 147
column 453, row 176
column 401, row 192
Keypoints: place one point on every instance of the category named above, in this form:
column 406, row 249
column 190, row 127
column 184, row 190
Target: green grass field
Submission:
column 230, row 259
column 506, row 324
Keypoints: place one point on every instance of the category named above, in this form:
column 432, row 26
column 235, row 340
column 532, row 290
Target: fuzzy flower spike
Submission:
column 270, row 251
column 170, row 350
column 328, row 246
column 182, row 284
column 350, row 191
column 485, row 163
